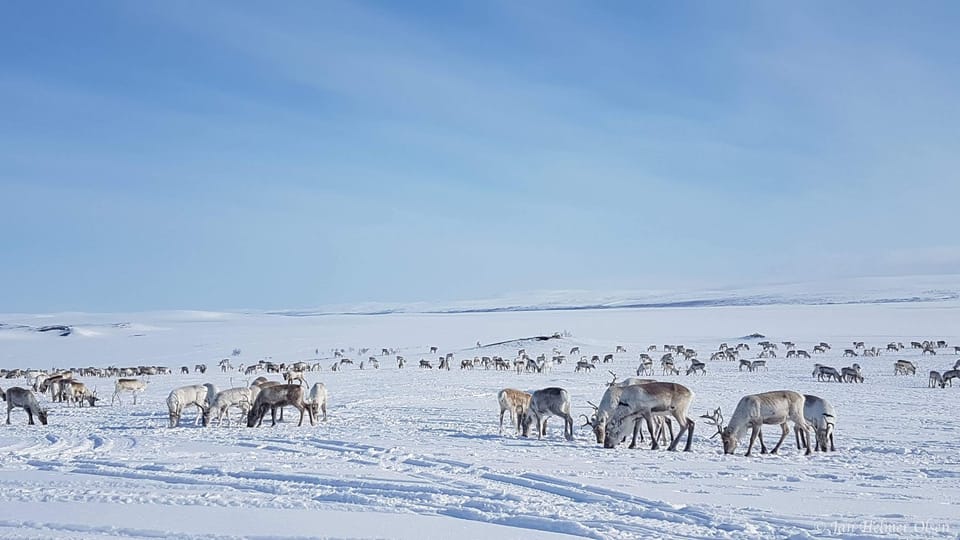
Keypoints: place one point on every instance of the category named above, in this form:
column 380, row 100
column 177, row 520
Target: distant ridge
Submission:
column 912, row 289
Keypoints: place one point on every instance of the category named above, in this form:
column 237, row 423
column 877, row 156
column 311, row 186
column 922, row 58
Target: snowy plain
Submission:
column 416, row 453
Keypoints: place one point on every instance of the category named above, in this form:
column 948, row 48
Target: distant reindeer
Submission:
column 935, row 380
column 134, row 386
column 904, row 367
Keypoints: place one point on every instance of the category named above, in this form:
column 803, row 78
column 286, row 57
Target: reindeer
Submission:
column 574, row 350
column 935, row 380
column 647, row 401
column 240, row 397
column 949, row 376
column 583, row 365
column 291, row 376
column 23, row 398
column 545, row 403
column 621, row 349
column 425, row 364
column 200, row 395
column 852, row 374
column 134, row 386
column 822, row 372
column 904, row 367
column 757, row 364
column 78, row 393
column 645, row 367
column 696, row 366
column 609, row 402
column 667, row 366
column 200, row 368
column 317, row 401
column 753, row 411
column 516, row 403
column 802, row 354
column 278, row 396
column 607, row 358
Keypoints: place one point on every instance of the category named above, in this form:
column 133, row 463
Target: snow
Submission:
column 416, row 454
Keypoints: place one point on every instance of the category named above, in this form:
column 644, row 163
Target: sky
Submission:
column 215, row 155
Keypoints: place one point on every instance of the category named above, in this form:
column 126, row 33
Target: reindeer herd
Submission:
column 625, row 408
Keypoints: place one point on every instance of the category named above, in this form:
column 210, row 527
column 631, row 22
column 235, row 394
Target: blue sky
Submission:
column 229, row 154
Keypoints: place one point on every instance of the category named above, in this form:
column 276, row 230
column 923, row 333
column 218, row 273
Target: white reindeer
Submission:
column 317, row 400
column 646, row 401
column 134, row 386
column 241, row 397
column 753, row 411
column 200, row 395
column 23, row 398
column 608, row 403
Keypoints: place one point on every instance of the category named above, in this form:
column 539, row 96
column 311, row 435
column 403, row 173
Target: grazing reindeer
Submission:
column 574, row 350
column 820, row 414
column 621, row 349
column 852, row 374
column 904, row 367
column 826, row 373
column 757, row 364
column 607, row 358
column 849, row 352
column 200, row 395
column 667, row 366
column 516, row 403
column 696, row 366
column 608, row 403
column 424, row 364
column 647, row 401
column 240, row 397
column 317, row 401
column 645, row 367
column 77, row 392
column 291, row 376
column 583, row 365
column 753, row 411
column 278, row 396
column 949, row 376
column 802, row 354
column 935, row 380
column 545, row 403
column 134, row 386
column 23, row 398
column 744, row 364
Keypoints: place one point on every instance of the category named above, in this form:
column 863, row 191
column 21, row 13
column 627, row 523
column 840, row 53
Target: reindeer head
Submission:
column 613, row 382
column 42, row 415
column 726, row 434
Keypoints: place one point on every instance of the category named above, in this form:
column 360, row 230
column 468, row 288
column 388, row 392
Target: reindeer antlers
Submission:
column 594, row 406
column 716, row 419
column 588, row 422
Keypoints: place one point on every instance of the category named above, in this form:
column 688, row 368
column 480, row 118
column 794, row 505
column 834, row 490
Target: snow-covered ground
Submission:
column 416, row 453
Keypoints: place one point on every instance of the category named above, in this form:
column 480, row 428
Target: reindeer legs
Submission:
column 783, row 435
